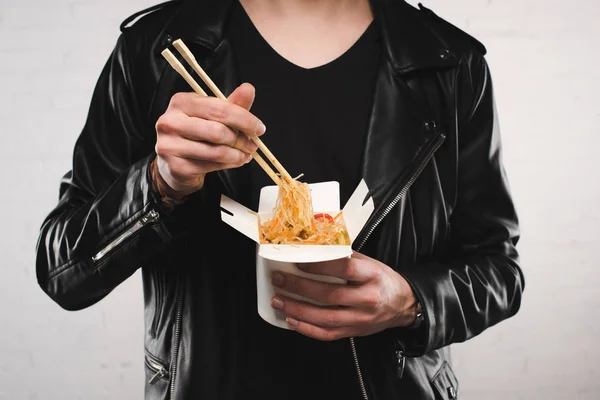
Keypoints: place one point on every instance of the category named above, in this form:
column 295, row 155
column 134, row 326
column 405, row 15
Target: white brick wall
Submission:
column 544, row 64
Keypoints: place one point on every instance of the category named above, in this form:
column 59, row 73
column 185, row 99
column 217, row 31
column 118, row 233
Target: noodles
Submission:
column 294, row 222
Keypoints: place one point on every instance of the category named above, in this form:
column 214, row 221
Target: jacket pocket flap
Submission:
column 445, row 383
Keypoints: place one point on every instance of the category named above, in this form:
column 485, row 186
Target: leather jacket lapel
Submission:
column 401, row 132
column 408, row 44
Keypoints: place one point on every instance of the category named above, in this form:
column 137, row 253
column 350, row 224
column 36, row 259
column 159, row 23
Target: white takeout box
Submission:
column 278, row 257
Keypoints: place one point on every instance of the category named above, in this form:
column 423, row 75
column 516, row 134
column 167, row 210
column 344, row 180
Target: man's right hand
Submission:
column 197, row 135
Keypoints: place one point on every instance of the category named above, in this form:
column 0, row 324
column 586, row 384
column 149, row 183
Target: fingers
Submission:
column 182, row 174
column 243, row 96
column 351, row 269
column 203, row 140
column 327, row 293
column 317, row 332
column 198, row 134
column 179, row 124
column 326, row 317
column 219, row 110
column 204, row 151
column 217, row 133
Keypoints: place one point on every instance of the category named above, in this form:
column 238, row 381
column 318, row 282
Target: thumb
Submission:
column 243, row 96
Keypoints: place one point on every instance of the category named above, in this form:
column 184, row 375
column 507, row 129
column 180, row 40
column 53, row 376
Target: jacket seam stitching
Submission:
column 451, row 377
column 158, row 359
column 63, row 267
column 439, row 371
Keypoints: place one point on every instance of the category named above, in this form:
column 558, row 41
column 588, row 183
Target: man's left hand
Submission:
column 375, row 298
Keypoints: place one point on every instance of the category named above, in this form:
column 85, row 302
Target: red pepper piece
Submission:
column 324, row 216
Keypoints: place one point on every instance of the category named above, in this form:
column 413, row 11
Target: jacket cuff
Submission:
column 413, row 341
column 175, row 219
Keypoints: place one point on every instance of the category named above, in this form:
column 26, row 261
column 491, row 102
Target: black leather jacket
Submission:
column 443, row 216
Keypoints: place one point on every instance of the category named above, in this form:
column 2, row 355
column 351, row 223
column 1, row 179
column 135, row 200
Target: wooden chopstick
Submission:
column 177, row 66
column 189, row 57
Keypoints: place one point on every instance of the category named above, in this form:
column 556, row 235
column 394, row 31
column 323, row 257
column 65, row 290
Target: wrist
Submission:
column 169, row 197
column 166, row 190
column 407, row 305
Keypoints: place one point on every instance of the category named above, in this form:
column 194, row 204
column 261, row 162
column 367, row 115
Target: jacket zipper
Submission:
column 160, row 372
column 151, row 217
column 361, row 381
column 436, row 145
column 176, row 344
column 399, row 354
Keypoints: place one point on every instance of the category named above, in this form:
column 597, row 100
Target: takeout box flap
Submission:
column 326, row 198
column 239, row 217
column 355, row 213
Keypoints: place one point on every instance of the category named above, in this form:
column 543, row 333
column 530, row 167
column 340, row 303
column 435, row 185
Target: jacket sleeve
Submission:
column 108, row 221
column 480, row 283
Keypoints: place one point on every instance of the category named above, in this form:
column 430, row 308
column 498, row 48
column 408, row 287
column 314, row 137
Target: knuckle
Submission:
column 242, row 157
column 376, row 275
column 164, row 124
column 161, row 148
column 223, row 133
column 214, row 153
column 331, row 319
column 217, row 111
column 350, row 268
column 330, row 336
column 217, row 132
column 369, row 319
column 236, row 141
column 371, row 301
column 178, row 99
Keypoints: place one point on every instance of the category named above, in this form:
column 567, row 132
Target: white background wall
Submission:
column 543, row 55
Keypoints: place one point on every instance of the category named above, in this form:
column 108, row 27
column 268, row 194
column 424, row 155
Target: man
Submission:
column 349, row 90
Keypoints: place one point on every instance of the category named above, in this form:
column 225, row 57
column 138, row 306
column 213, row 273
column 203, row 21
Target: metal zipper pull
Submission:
column 162, row 373
column 151, row 217
column 401, row 363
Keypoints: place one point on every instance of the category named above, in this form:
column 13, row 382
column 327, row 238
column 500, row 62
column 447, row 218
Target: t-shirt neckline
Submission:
column 364, row 37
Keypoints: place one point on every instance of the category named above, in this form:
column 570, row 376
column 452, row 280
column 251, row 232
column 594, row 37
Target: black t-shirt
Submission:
column 317, row 120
